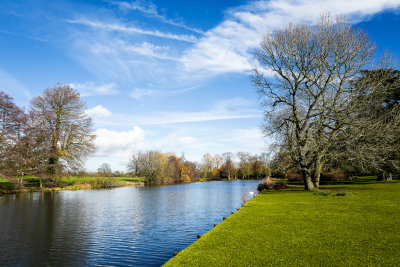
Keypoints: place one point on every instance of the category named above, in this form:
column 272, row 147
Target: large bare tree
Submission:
column 12, row 123
column 60, row 113
column 304, row 79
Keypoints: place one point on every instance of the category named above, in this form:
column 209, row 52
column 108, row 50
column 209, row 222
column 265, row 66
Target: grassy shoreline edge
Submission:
column 354, row 223
column 32, row 184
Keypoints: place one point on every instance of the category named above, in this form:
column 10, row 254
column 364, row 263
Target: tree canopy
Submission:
column 61, row 114
column 55, row 134
column 306, row 80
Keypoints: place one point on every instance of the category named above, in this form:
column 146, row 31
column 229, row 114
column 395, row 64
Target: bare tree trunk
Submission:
column 317, row 172
column 386, row 177
column 308, row 184
column 305, row 170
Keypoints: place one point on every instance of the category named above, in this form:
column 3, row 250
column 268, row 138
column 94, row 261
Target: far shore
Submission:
column 35, row 184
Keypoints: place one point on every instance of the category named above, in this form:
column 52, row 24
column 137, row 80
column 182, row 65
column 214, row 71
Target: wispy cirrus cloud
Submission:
column 226, row 48
column 91, row 88
column 227, row 109
column 130, row 29
column 151, row 9
column 144, row 49
column 138, row 93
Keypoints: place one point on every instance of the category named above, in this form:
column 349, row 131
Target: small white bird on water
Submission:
column 251, row 193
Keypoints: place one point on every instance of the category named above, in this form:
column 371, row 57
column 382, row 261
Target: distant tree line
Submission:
column 167, row 168
column 163, row 168
column 52, row 136
column 229, row 166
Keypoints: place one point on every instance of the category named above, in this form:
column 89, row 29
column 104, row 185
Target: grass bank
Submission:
column 68, row 183
column 355, row 223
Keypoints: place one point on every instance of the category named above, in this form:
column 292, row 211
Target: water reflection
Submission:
column 139, row 226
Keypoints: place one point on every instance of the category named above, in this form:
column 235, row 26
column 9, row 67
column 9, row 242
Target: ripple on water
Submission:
column 120, row 227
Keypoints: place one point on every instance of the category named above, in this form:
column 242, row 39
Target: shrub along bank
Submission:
column 65, row 183
column 353, row 223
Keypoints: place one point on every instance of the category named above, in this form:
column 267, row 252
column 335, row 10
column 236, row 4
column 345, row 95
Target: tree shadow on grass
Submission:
column 290, row 189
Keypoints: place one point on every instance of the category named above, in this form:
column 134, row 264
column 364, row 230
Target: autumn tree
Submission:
column 173, row 168
column 304, row 81
column 163, row 168
column 61, row 114
column 152, row 167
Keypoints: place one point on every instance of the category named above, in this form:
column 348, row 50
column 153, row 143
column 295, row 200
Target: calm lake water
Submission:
column 135, row 226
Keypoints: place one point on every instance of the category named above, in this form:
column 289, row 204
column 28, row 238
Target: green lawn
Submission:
column 297, row 228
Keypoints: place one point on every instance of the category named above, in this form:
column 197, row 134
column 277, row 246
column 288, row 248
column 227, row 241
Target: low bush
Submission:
column 294, row 176
column 270, row 184
column 104, row 183
column 51, row 183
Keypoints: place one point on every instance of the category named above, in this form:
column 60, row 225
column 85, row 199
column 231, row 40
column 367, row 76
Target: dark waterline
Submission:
column 134, row 226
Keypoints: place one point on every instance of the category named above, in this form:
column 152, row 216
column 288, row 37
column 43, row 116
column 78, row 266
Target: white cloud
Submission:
column 98, row 112
column 228, row 46
column 138, row 93
column 245, row 136
column 227, row 109
column 120, row 27
column 90, row 88
column 117, row 46
column 118, row 143
column 142, row 6
column 185, row 117
column 114, row 58
column 150, row 8
column 147, row 49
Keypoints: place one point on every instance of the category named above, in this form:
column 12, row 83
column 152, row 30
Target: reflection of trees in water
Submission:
column 122, row 226
column 41, row 229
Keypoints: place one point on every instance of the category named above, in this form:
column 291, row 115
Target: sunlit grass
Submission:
column 358, row 224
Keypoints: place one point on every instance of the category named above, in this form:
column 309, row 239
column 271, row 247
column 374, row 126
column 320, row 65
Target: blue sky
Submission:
column 166, row 75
